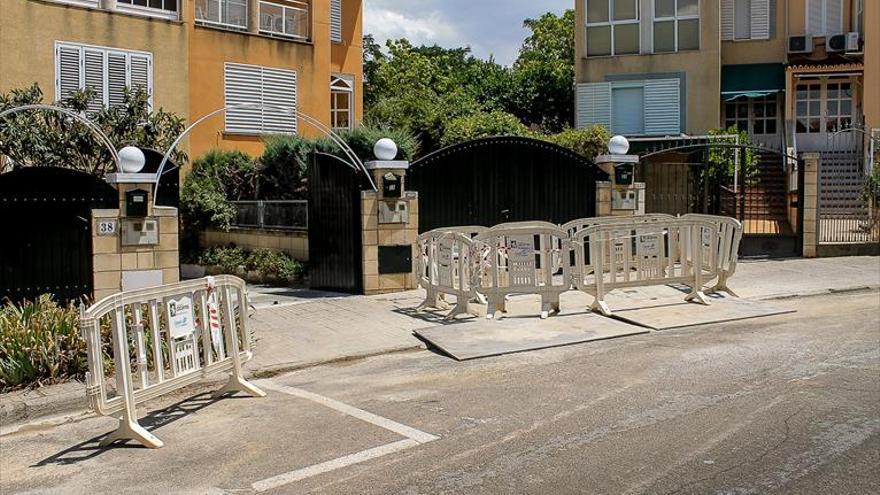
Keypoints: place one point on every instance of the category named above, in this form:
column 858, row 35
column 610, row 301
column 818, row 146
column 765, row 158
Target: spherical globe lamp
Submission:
column 385, row 149
column 131, row 160
column 618, row 145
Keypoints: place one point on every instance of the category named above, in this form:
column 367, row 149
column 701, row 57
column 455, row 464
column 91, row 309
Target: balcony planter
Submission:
column 191, row 271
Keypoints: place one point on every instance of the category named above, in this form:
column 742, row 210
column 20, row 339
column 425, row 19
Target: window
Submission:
column 651, row 106
column 757, row 116
column 736, row 113
column 290, row 19
column 262, row 100
column 229, row 13
column 612, row 27
column 824, row 17
column 336, row 21
column 808, row 102
column 745, row 20
column 341, row 102
column 159, row 8
column 676, row 25
column 106, row 71
column 839, row 106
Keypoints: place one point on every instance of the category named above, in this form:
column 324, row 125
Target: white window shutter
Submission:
column 117, row 78
column 141, row 69
column 815, row 17
column 243, row 86
column 727, row 19
column 662, row 106
column 833, row 17
column 336, row 21
column 593, row 104
column 68, row 70
column 279, row 100
column 95, row 77
column 760, row 17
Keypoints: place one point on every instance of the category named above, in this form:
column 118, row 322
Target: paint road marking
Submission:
column 413, row 436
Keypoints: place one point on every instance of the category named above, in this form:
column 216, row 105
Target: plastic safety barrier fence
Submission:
column 523, row 259
column 730, row 233
column 443, row 266
column 639, row 254
column 165, row 338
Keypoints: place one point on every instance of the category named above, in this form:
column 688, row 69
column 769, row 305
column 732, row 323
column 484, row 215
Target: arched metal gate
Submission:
column 503, row 179
column 46, row 245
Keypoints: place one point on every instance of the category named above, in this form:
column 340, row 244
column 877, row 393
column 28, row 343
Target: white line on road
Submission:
column 413, row 436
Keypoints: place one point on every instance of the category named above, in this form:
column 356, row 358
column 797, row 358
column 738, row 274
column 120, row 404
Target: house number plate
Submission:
column 107, row 227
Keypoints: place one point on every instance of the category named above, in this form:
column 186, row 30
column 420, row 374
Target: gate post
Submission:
column 390, row 225
column 811, row 203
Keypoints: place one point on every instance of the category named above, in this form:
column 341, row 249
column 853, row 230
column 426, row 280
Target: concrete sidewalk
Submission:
column 297, row 328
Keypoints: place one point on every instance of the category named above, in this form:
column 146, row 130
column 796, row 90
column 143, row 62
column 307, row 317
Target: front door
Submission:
column 823, row 106
column 757, row 116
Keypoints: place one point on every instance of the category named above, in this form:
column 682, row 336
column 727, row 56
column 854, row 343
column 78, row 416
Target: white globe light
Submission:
column 385, row 149
column 131, row 160
column 618, row 145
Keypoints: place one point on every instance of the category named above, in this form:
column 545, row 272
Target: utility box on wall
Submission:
column 136, row 202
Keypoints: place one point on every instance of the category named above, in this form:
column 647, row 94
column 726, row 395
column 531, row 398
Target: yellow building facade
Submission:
column 266, row 59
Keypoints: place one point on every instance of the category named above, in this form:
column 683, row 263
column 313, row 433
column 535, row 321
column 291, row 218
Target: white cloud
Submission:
column 430, row 28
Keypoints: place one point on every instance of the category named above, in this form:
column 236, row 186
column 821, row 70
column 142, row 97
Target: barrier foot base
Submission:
column 130, row 430
column 601, row 307
column 724, row 288
column 239, row 384
column 698, row 297
column 459, row 309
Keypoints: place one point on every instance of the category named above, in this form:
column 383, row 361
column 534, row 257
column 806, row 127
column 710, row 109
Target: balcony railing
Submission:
column 231, row 14
column 285, row 215
column 289, row 20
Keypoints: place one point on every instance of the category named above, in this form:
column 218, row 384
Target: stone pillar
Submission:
column 390, row 229
column 603, row 199
column 811, row 203
column 253, row 16
column 134, row 252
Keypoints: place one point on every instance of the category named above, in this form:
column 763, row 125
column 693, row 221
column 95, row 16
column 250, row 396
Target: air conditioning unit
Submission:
column 836, row 43
column 800, row 44
column 853, row 43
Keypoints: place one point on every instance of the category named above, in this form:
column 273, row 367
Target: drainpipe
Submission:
column 253, row 16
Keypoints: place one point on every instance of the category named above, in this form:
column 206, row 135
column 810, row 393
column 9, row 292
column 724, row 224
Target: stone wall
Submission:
column 293, row 242
column 811, row 204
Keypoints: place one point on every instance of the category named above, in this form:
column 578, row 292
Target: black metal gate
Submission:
column 503, row 179
column 335, row 244
column 46, row 245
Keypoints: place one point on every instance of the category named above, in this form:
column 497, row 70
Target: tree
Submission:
column 483, row 124
column 544, row 73
column 45, row 138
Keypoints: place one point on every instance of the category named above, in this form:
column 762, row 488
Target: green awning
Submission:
column 751, row 80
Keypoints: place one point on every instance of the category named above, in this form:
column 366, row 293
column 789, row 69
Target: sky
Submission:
column 489, row 27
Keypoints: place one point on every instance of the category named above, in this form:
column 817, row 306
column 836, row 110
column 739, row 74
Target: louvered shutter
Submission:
column 662, row 106
column 68, row 70
column 243, row 86
column 593, row 104
column 117, row 78
column 140, row 73
column 336, row 21
column 279, row 100
column 727, row 19
column 833, row 17
column 815, row 17
column 760, row 17
column 94, row 77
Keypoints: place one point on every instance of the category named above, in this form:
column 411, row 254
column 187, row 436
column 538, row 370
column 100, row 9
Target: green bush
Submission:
column 40, row 343
column 229, row 259
column 587, row 142
column 483, row 124
column 274, row 264
column 215, row 179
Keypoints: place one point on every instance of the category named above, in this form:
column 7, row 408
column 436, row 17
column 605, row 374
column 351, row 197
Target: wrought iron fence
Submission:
column 281, row 214
column 846, row 215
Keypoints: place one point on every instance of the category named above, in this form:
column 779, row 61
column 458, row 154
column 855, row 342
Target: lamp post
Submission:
column 627, row 196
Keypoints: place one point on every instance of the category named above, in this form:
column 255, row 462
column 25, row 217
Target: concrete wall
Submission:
column 702, row 67
column 872, row 64
column 294, row 243
column 30, row 28
column 773, row 50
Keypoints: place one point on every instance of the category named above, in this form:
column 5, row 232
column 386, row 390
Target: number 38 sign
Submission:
column 107, row 227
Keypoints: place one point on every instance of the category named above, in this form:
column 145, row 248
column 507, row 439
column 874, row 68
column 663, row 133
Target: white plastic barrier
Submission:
column 443, row 268
column 178, row 333
column 639, row 254
column 522, row 259
column 730, row 233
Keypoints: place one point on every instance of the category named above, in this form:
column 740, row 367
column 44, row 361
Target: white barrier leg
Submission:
column 236, row 382
column 696, row 294
column 721, row 285
column 494, row 305
column 128, row 429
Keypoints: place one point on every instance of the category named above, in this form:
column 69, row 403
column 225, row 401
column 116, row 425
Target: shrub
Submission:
column 483, row 124
column 588, row 142
column 215, row 179
column 229, row 259
column 274, row 264
column 40, row 343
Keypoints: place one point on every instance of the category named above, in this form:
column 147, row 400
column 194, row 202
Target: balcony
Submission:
column 289, row 20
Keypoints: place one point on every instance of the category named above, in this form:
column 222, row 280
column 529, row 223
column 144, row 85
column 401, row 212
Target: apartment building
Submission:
column 195, row 57
column 790, row 72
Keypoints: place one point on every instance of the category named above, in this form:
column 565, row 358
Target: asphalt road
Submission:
column 783, row 404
